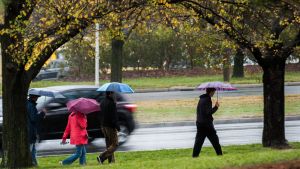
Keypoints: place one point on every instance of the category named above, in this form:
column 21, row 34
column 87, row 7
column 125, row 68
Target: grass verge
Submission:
column 167, row 82
column 230, row 107
column 234, row 156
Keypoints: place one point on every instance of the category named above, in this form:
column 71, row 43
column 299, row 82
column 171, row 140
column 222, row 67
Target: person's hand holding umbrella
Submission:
column 217, row 104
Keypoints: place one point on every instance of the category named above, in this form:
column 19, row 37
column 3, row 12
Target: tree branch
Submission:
column 232, row 33
column 52, row 46
column 289, row 49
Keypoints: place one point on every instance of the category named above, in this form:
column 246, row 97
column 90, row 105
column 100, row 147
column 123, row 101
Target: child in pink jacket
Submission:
column 76, row 128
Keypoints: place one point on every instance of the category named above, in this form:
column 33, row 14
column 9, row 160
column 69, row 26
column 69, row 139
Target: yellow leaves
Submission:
column 162, row 1
column 38, row 48
column 222, row 12
column 297, row 19
column 43, row 19
column 23, row 13
column 284, row 22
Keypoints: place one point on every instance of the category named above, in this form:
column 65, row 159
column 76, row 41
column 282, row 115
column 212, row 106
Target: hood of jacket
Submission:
column 204, row 96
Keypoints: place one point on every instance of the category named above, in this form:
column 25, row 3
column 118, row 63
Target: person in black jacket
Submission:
column 110, row 127
column 204, row 123
column 33, row 119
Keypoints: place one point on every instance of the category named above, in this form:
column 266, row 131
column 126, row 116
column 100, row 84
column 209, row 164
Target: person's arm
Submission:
column 115, row 119
column 214, row 109
column 207, row 107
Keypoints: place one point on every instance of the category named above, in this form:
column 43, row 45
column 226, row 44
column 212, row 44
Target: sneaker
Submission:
column 99, row 159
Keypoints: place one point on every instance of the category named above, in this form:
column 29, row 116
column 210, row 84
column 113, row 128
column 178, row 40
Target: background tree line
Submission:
column 159, row 48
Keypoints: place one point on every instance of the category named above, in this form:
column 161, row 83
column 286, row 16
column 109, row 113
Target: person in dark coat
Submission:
column 110, row 127
column 204, row 123
column 33, row 119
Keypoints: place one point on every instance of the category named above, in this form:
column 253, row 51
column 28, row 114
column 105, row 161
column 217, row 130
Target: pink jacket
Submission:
column 76, row 128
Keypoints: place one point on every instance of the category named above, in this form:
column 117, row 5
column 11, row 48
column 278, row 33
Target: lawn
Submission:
column 167, row 82
column 234, row 156
column 230, row 107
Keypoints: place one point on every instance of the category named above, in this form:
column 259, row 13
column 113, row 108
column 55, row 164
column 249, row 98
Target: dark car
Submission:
column 55, row 121
column 54, row 70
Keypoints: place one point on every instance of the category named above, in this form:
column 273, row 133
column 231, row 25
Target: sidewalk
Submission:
column 185, row 88
column 219, row 121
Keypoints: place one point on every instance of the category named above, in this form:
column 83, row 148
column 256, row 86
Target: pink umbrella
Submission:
column 219, row 86
column 83, row 105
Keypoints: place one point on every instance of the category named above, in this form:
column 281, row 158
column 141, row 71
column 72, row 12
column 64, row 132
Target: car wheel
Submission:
column 123, row 134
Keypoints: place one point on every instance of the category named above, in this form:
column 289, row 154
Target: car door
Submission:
column 55, row 120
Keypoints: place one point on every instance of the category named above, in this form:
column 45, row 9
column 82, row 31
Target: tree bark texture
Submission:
column 273, row 81
column 226, row 68
column 16, row 152
column 117, row 60
column 238, row 67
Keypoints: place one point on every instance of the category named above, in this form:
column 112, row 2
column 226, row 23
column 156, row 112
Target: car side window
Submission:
column 92, row 94
column 72, row 95
column 101, row 96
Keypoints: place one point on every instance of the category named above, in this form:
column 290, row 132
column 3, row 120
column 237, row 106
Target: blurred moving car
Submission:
column 56, row 116
column 54, row 70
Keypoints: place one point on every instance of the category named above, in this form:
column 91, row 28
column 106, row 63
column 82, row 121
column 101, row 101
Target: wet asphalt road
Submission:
column 177, row 137
column 249, row 91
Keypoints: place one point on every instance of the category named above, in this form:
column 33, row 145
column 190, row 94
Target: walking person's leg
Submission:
column 99, row 158
column 108, row 142
column 33, row 154
column 82, row 158
column 112, row 146
column 73, row 157
column 199, row 140
column 214, row 139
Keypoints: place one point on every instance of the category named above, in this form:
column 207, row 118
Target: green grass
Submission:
column 234, row 156
column 167, row 82
column 46, row 83
column 231, row 107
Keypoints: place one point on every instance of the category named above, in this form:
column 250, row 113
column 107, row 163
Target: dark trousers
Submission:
column 203, row 131
column 111, row 140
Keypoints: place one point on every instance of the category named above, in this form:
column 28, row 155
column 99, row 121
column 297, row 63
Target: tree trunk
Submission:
column 226, row 68
column 238, row 67
column 16, row 152
column 273, row 81
column 192, row 52
column 117, row 60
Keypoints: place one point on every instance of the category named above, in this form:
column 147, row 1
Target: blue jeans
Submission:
column 80, row 153
column 33, row 154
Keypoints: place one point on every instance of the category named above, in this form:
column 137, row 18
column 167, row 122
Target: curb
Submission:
column 221, row 121
column 193, row 88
